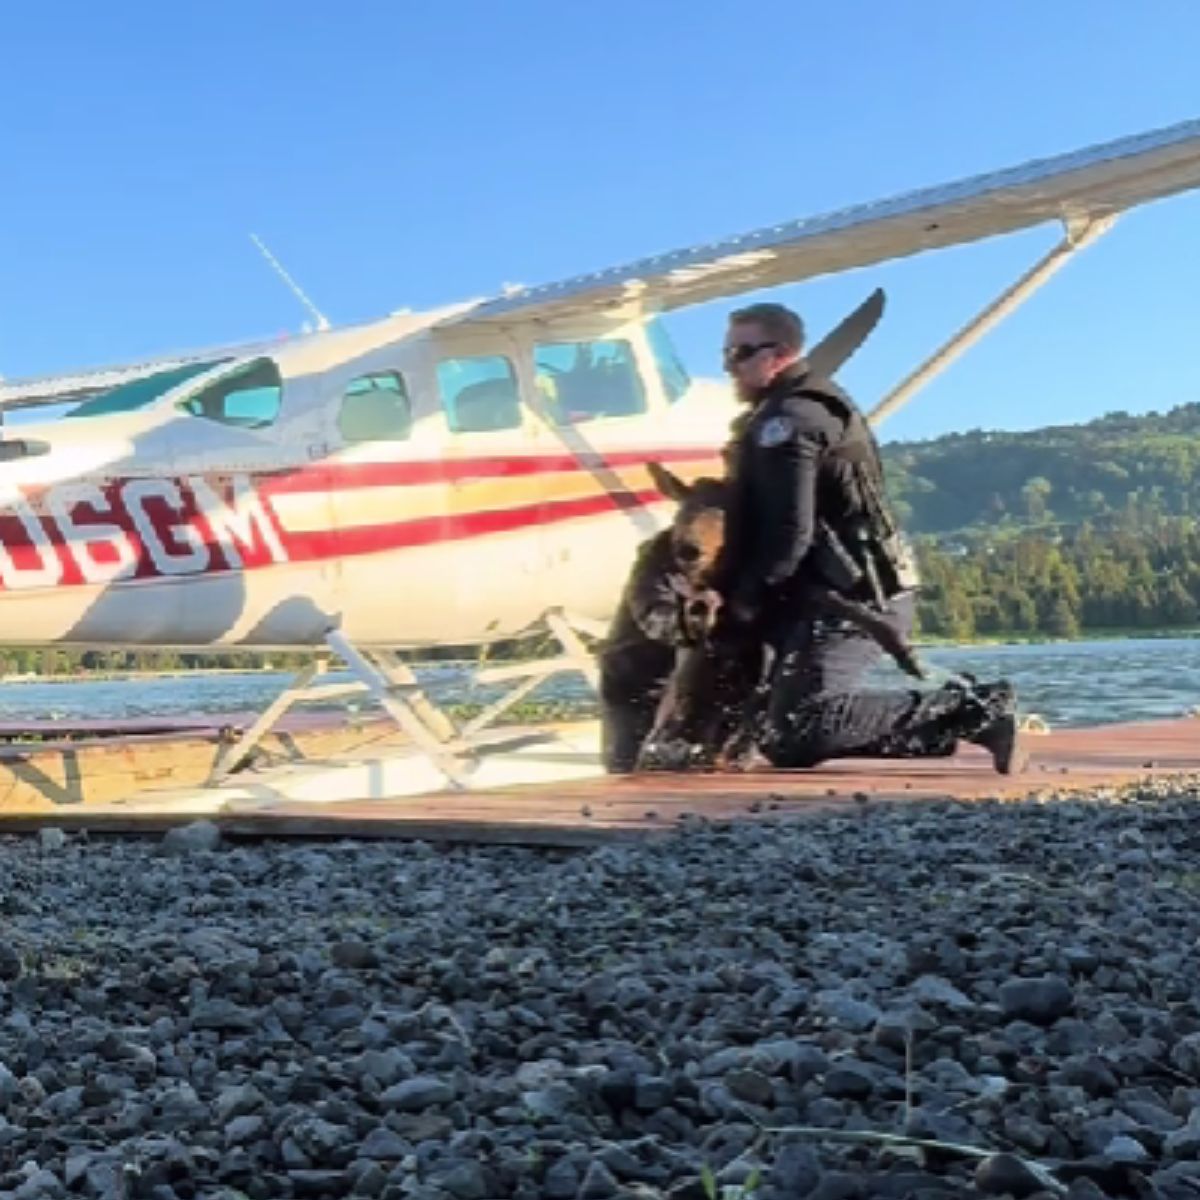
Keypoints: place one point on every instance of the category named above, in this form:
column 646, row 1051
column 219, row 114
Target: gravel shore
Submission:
column 716, row 1013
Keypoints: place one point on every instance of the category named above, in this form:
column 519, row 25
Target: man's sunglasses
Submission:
column 740, row 354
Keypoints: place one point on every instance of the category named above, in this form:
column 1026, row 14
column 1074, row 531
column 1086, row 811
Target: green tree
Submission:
column 1062, row 622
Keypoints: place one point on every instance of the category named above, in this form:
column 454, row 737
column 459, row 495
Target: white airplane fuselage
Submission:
column 452, row 498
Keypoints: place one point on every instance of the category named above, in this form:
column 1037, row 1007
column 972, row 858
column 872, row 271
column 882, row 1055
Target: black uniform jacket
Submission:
column 787, row 475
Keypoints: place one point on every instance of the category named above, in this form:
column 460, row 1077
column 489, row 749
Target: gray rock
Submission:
column 1005, row 1174
column 463, row 1181
column 294, row 1158
column 237, row 1102
column 382, row 1143
column 11, row 967
column 1039, row 1001
column 561, row 1181
column 807, row 1062
column 413, row 1095
column 692, row 1188
column 849, row 1081
column 553, row 1102
column 9, row 1087
column 795, row 1171
column 950, row 1075
column 910, row 1185
column 386, row 1066
column 1185, row 1142
column 838, row 1185
column 652, row 1092
column 1180, row 1181
column 1085, row 1189
column 370, row 1179
column 1153, row 1116
column 1100, row 1131
column 244, row 1129
column 353, row 955
column 319, row 1138
column 198, row 837
column 51, row 839
column 1185, row 1053
column 846, row 1010
column 41, row 1184
column 1092, row 1074
column 223, row 1015
column 938, row 992
column 317, row 1182
column 598, row 1183
column 751, row 1086
column 1124, row 1148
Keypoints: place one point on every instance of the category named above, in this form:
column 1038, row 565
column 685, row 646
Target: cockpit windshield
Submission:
column 675, row 378
column 140, row 392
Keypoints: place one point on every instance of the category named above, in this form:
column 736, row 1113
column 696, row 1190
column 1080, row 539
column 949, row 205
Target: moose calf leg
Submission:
column 624, row 727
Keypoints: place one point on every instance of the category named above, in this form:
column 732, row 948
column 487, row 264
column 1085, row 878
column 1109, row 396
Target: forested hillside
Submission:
column 1137, row 578
column 1119, row 467
column 1057, row 531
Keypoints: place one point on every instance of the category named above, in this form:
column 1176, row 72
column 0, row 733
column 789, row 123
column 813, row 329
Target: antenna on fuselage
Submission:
column 292, row 285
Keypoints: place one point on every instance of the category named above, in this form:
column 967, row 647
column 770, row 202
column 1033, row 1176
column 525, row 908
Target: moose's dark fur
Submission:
column 667, row 604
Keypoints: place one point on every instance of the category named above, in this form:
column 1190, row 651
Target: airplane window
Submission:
column 479, row 394
column 375, row 408
column 249, row 398
column 581, row 381
column 140, row 392
column 675, row 379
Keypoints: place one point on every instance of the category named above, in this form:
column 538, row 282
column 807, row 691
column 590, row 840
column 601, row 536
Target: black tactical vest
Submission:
column 856, row 546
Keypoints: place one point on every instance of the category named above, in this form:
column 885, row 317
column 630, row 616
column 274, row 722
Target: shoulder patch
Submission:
column 776, row 431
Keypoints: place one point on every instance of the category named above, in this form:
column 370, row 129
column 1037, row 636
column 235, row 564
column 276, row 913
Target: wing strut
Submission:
column 1077, row 236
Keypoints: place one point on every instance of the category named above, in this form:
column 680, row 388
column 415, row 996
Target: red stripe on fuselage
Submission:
column 344, row 476
column 425, row 531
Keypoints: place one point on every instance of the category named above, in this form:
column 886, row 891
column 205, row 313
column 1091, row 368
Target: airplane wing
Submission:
column 1084, row 185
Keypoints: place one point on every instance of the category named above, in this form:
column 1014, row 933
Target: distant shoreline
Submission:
column 922, row 643
column 1092, row 635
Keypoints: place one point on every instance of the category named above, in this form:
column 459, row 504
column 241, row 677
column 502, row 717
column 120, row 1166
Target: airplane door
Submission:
column 384, row 500
column 599, row 411
column 494, row 484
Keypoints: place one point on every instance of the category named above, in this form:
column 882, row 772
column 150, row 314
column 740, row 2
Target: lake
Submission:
column 1074, row 683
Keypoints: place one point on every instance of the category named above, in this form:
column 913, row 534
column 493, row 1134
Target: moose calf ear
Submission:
column 670, row 485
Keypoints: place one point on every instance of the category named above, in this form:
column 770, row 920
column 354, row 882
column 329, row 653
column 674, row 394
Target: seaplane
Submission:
column 452, row 477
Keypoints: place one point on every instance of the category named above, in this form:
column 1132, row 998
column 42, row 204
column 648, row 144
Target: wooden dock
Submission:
column 589, row 811
column 52, row 766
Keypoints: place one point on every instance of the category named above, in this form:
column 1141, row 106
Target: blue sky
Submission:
column 406, row 155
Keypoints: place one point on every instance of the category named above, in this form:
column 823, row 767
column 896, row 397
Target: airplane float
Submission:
column 449, row 477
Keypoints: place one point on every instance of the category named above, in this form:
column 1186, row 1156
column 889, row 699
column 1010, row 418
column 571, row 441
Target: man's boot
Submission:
column 984, row 714
column 674, row 754
column 992, row 709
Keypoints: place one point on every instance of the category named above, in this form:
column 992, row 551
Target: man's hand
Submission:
column 742, row 607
